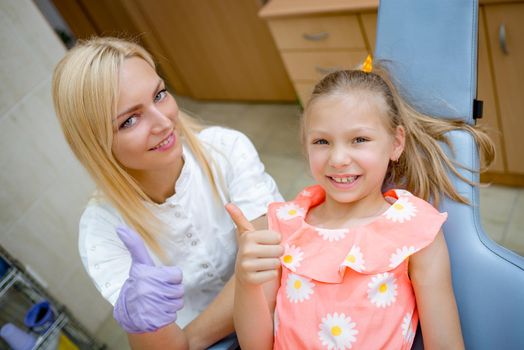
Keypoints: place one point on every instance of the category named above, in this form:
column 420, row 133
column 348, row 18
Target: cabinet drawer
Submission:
column 317, row 32
column 314, row 65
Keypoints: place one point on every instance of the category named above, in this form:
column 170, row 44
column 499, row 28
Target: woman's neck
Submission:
column 159, row 185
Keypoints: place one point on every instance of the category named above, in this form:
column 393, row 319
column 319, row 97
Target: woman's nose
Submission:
column 160, row 120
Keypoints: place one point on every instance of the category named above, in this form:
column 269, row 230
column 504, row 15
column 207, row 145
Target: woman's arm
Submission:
column 429, row 270
column 166, row 338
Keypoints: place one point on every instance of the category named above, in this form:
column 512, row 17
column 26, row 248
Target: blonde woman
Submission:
column 161, row 179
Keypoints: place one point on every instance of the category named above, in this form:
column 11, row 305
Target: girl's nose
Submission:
column 339, row 158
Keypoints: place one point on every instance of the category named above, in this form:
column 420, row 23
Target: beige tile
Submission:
column 30, row 50
column 287, row 172
column 110, row 333
column 514, row 239
column 27, row 172
column 33, row 148
column 84, row 301
column 496, row 203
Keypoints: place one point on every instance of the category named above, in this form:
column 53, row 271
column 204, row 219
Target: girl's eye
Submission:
column 320, row 142
column 360, row 139
column 161, row 95
column 129, row 122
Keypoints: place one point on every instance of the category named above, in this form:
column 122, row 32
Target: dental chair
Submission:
column 430, row 47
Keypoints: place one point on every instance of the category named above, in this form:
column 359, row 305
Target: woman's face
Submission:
column 146, row 136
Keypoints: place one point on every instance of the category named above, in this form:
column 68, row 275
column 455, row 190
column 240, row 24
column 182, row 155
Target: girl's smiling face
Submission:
column 146, row 137
column 349, row 145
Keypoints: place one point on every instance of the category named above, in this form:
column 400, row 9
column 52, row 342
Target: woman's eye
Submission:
column 359, row 139
column 161, row 95
column 320, row 142
column 129, row 122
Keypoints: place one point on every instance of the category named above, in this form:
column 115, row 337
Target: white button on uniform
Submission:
column 205, row 266
column 194, row 243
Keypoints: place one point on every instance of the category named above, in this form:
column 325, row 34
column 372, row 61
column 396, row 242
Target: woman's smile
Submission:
column 165, row 144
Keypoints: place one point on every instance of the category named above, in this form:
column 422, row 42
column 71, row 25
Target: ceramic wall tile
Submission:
column 30, row 50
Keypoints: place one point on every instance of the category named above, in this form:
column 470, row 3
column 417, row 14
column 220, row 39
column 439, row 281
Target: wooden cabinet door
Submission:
column 219, row 50
column 508, row 68
column 486, row 93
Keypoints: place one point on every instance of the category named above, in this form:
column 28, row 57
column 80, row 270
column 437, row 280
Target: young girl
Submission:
column 358, row 267
column 161, row 174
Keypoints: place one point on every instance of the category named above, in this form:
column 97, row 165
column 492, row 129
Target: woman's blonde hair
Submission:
column 423, row 166
column 85, row 91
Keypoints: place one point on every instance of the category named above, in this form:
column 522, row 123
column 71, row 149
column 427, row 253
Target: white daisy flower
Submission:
column 399, row 255
column 403, row 193
column 306, row 193
column 355, row 259
column 290, row 211
column 332, row 235
column 298, row 288
column 382, row 289
column 407, row 329
column 402, row 210
column 337, row 331
column 292, row 257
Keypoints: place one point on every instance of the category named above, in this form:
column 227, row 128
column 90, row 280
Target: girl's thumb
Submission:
column 242, row 223
column 135, row 245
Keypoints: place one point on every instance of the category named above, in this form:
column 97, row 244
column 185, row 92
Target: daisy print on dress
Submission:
column 399, row 255
column 355, row 259
column 290, row 211
column 292, row 257
column 382, row 290
column 408, row 333
column 306, row 193
column 332, row 234
column 298, row 288
column 400, row 211
column 337, row 331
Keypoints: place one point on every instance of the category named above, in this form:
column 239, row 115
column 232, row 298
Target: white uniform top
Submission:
column 202, row 238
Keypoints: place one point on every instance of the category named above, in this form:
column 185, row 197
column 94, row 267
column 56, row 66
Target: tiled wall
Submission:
column 43, row 188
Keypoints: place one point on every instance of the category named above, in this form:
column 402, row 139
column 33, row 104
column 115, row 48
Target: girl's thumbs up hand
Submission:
column 151, row 296
column 259, row 252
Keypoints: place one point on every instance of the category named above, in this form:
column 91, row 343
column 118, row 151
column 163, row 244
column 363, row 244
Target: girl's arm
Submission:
column 216, row 321
column 429, row 270
column 256, row 273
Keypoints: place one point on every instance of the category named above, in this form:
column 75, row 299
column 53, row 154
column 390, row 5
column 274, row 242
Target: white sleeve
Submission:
column 249, row 186
column 104, row 256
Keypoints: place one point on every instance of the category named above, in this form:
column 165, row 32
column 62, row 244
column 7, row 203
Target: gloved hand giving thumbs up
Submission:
column 151, row 296
column 258, row 257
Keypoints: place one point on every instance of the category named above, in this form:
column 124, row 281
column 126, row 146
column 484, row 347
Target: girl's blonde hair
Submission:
column 85, row 91
column 423, row 166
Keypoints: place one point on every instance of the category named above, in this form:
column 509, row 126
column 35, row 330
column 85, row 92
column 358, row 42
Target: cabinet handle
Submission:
column 502, row 39
column 324, row 70
column 315, row 36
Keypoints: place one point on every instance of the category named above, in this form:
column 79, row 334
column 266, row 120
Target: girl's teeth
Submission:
column 344, row 180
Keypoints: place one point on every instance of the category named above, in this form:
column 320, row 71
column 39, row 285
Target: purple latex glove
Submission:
column 151, row 296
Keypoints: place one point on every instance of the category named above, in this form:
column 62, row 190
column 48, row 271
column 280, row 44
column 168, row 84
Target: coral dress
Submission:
column 349, row 288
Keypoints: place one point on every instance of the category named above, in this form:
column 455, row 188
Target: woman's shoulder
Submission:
column 219, row 135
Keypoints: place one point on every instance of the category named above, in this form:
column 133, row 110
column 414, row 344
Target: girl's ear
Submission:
column 398, row 143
